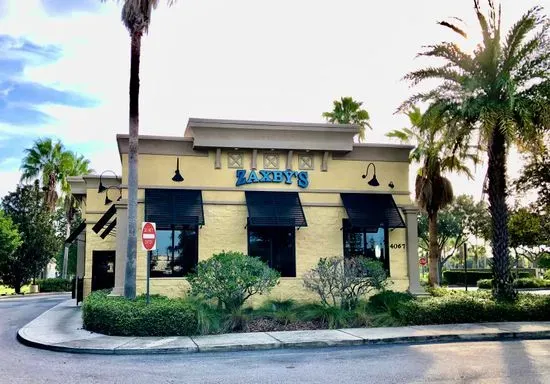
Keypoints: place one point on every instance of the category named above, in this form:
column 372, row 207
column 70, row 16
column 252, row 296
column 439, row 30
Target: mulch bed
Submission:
column 271, row 325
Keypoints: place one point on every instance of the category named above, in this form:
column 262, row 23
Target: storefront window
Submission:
column 275, row 246
column 177, row 252
column 366, row 243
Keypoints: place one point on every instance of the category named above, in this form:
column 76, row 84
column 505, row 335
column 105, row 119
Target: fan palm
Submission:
column 502, row 92
column 45, row 160
column 348, row 111
column 437, row 156
column 136, row 17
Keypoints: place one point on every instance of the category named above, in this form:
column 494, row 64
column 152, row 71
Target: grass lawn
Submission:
column 9, row 291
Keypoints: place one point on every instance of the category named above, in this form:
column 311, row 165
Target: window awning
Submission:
column 167, row 207
column 372, row 211
column 74, row 234
column 109, row 229
column 278, row 209
column 104, row 219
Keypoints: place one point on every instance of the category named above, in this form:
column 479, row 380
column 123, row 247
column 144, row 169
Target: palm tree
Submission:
column 74, row 165
column 136, row 17
column 437, row 155
column 502, row 92
column 45, row 161
column 348, row 111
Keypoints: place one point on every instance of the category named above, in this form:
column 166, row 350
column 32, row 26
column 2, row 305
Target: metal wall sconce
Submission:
column 101, row 187
column 178, row 178
column 109, row 201
column 372, row 182
column 391, row 185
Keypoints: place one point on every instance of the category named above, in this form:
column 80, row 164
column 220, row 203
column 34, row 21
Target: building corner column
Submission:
column 411, row 216
column 121, row 247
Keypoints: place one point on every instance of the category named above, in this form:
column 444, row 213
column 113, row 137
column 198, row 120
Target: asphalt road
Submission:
column 522, row 362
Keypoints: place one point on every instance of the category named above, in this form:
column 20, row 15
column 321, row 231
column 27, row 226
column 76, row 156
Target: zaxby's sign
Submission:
column 266, row 176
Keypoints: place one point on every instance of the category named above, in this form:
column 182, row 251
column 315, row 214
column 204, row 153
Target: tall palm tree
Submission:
column 136, row 17
column 45, row 161
column 438, row 156
column 348, row 111
column 502, row 91
column 74, row 165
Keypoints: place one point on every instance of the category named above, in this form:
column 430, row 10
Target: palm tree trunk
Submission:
column 51, row 194
column 130, row 272
column 502, row 275
column 433, row 257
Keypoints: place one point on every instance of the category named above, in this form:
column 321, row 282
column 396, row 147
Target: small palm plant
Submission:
column 348, row 111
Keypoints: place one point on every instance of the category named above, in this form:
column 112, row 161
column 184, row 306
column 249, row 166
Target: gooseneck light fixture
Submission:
column 178, row 178
column 372, row 182
column 101, row 187
column 109, row 201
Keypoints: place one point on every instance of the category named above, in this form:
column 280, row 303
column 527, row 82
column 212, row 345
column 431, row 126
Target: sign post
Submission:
column 149, row 244
column 423, row 263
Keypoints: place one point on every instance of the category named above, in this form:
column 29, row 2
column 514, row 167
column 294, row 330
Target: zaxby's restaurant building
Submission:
column 288, row 193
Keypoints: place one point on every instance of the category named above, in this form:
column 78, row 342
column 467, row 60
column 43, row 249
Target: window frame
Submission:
column 293, row 254
column 348, row 228
column 174, row 228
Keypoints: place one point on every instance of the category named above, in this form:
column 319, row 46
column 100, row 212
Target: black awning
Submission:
column 372, row 211
column 108, row 230
column 74, row 234
column 167, row 207
column 278, row 209
column 104, row 219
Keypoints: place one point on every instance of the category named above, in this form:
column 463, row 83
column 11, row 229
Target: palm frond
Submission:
column 453, row 27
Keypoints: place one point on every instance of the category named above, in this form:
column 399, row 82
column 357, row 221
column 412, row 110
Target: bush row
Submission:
column 54, row 285
column 526, row 282
column 463, row 308
column 122, row 317
column 456, row 277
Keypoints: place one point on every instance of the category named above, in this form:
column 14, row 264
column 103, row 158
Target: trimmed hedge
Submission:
column 54, row 285
column 464, row 308
column 456, row 277
column 526, row 282
column 121, row 317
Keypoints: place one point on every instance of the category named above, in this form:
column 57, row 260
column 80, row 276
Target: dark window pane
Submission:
column 176, row 254
column 275, row 246
column 366, row 243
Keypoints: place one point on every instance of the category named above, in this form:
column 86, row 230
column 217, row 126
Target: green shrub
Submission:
column 231, row 278
column 468, row 308
column 485, row 283
column 456, row 277
column 122, row 317
column 389, row 301
column 330, row 316
column 54, row 285
column 531, row 283
column 547, row 275
column 342, row 282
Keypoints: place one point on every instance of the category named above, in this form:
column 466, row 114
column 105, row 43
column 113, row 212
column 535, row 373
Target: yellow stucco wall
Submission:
column 225, row 213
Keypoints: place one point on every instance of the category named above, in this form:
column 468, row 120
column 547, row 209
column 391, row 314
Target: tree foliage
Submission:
column 349, row 111
column 498, row 94
column 10, row 241
column 529, row 234
column 28, row 211
column 342, row 282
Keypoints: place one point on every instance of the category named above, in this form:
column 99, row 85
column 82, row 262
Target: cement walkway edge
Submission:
column 60, row 329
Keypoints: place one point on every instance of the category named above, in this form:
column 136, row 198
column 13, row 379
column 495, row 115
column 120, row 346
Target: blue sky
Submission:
column 64, row 67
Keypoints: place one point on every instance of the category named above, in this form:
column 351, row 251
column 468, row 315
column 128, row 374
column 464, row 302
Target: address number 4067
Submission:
column 397, row 246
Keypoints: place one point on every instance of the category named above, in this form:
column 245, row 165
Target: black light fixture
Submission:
column 178, row 178
column 109, row 201
column 101, row 187
column 372, row 182
column 391, row 185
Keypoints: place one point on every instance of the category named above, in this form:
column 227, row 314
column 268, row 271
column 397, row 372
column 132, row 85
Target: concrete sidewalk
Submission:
column 60, row 329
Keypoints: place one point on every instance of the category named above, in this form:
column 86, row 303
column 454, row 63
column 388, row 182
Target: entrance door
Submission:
column 103, row 270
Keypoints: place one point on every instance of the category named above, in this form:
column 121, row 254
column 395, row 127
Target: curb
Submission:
column 39, row 294
column 411, row 340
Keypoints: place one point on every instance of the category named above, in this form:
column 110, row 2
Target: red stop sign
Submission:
column 423, row 261
column 148, row 236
